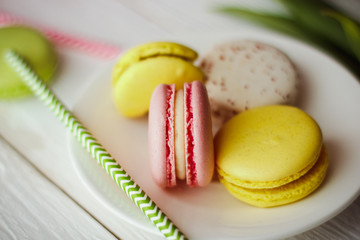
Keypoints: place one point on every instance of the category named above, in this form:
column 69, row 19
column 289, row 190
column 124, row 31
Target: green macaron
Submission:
column 35, row 49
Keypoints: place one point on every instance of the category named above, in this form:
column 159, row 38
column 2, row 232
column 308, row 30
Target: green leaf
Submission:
column 308, row 14
column 351, row 30
column 278, row 23
column 275, row 22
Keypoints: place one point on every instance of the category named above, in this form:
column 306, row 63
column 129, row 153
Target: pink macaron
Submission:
column 180, row 135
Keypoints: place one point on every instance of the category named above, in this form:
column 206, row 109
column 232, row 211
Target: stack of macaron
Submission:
column 271, row 155
column 180, row 132
column 266, row 152
column 35, row 49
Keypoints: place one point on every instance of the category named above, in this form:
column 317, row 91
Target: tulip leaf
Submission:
column 275, row 22
column 351, row 30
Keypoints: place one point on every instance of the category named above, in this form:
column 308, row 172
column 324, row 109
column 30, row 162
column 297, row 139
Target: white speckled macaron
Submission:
column 245, row 74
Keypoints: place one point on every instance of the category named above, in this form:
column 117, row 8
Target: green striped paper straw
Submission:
column 123, row 180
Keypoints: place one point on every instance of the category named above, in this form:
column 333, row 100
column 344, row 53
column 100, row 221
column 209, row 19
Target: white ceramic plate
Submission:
column 329, row 93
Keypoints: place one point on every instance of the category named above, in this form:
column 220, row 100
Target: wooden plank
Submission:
column 33, row 207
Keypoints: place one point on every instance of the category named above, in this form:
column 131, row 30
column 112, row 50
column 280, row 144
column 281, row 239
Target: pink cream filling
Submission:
column 189, row 133
column 170, row 165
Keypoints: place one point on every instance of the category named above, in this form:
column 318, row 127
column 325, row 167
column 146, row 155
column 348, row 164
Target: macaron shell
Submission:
column 149, row 50
column 203, row 150
column 285, row 194
column 246, row 74
column 133, row 92
column 267, row 147
column 35, row 49
column 157, row 137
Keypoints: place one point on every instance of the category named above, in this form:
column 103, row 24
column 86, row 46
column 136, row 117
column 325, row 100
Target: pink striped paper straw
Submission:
column 100, row 50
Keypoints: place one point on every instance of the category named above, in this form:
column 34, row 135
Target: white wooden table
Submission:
column 41, row 195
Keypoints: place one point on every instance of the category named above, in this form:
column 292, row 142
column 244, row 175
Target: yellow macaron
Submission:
column 142, row 68
column 271, row 155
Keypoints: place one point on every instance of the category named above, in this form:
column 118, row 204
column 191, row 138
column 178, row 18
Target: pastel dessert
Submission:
column 35, row 49
column 271, row 155
column 142, row 68
column 244, row 74
column 180, row 135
